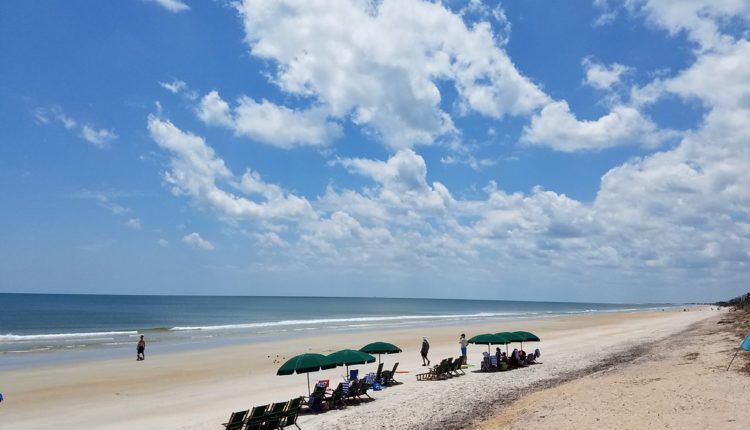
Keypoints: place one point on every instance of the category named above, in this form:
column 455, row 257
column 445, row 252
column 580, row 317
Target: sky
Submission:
column 514, row 150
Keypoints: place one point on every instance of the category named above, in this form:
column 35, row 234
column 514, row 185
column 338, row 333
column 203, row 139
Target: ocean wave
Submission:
column 60, row 336
column 342, row 320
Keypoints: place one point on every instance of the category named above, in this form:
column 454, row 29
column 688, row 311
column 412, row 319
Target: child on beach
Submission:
column 464, row 343
column 141, row 350
column 425, row 349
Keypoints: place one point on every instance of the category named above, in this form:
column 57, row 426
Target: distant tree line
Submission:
column 739, row 302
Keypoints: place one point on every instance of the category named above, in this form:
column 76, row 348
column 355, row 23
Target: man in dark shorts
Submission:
column 425, row 349
column 141, row 350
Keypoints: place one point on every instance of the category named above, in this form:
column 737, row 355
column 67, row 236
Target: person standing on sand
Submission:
column 425, row 349
column 464, row 343
column 141, row 349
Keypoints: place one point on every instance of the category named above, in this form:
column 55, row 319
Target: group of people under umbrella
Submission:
column 312, row 362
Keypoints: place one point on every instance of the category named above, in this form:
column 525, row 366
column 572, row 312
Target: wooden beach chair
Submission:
column 364, row 385
column 388, row 376
column 255, row 418
column 289, row 418
column 457, row 370
column 436, row 372
column 379, row 374
column 337, row 397
column 315, row 401
column 354, row 390
column 236, row 420
column 272, row 418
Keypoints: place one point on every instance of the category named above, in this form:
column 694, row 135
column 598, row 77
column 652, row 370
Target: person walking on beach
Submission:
column 464, row 343
column 141, row 349
column 425, row 349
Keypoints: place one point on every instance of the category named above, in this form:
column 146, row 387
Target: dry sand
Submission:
column 198, row 389
column 680, row 382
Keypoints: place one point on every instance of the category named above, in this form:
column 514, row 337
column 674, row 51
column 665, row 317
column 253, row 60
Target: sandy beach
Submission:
column 631, row 363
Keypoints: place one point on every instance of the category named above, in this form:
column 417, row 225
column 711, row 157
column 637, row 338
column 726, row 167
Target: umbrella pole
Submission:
column 308, row 384
column 733, row 357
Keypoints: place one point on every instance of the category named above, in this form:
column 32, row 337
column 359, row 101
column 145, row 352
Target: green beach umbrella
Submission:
column 305, row 363
column 349, row 357
column 380, row 348
column 527, row 337
column 489, row 339
column 512, row 336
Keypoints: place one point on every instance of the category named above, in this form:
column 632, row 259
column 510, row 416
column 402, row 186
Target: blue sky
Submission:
column 586, row 151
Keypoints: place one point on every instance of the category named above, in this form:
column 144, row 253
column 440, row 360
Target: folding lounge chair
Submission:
column 389, row 374
column 315, row 401
column 236, row 420
column 447, row 368
column 353, row 393
column 290, row 415
column 256, row 417
column 458, row 366
column 434, row 373
column 364, row 385
column 379, row 374
column 337, row 397
column 273, row 417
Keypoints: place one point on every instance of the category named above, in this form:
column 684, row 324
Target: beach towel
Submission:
column 345, row 388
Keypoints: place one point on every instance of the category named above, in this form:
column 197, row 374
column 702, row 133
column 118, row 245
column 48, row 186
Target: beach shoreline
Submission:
column 199, row 389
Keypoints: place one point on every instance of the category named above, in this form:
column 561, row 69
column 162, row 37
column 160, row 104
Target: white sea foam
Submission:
column 60, row 336
column 343, row 320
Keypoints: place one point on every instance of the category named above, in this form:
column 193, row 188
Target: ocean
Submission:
column 33, row 327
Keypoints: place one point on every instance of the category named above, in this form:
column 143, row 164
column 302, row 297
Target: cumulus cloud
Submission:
column 674, row 217
column 269, row 123
column 100, row 138
column 558, row 128
column 196, row 171
column 163, row 243
column 603, row 77
column 402, row 181
column 379, row 64
column 195, row 241
column 174, row 6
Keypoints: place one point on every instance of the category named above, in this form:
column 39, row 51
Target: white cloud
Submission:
column 174, row 6
column 134, row 223
column 195, row 170
column 195, row 241
column 163, row 243
column 701, row 20
column 100, row 138
column 270, row 123
column 603, row 77
column 558, row 128
column 177, row 86
column 105, row 199
column 379, row 64
column 403, row 181
column 677, row 218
